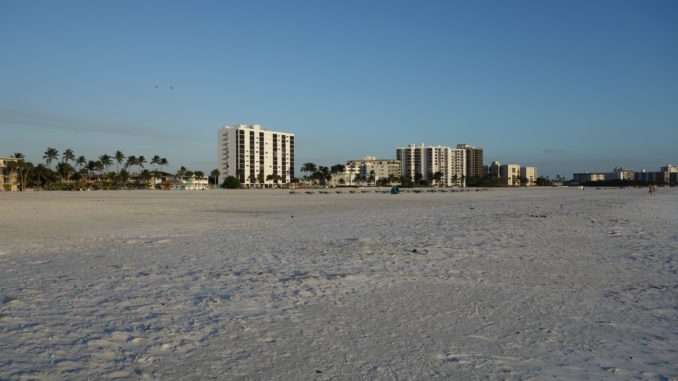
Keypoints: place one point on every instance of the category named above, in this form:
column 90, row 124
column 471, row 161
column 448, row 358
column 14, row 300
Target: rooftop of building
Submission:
column 255, row 127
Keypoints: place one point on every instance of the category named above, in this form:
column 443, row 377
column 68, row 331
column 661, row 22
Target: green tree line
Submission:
column 67, row 171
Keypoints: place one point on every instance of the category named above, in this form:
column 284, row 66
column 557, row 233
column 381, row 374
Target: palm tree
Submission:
column 40, row 171
column 50, row 155
column 100, row 168
column 145, row 177
column 308, row 168
column 199, row 174
column 182, row 171
column 131, row 161
column 163, row 163
column 21, row 167
column 437, row 177
column 123, row 176
column 105, row 160
column 338, row 168
column 119, row 158
column 91, row 167
column 141, row 161
column 81, row 162
column 65, row 171
column 155, row 160
column 417, row 178
column 215, row 174
column 68, row 155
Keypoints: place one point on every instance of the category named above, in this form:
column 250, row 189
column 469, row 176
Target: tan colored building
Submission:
column 474, row 160
column 588, row 177
column 670, row 174
column 509, row 175
column 619, row 173
column 529, row 173
column 382, row 168
column 425, row 161
column 9, row 180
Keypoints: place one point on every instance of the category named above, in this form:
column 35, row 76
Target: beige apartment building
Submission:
column 529, row 173
column 670, row 174
column 588, row 177
column 620, row 173
column 474, row 160
column 9, row 181
column 381, row 168
column 426, row 161
column 509, row 175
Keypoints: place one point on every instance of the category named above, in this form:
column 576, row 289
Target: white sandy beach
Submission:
column 524, row 284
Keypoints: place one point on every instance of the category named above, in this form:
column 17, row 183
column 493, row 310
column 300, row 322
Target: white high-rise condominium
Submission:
column 255, row 156
column 426, row 161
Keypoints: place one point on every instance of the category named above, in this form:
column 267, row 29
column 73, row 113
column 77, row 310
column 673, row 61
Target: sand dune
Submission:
column 506, row 284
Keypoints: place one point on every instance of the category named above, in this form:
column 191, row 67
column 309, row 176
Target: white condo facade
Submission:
column 428, row 160
column 255, row 156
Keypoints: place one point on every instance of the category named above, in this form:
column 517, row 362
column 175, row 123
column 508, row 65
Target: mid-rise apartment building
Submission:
column 588, row 177
column 667, row 175
column 421, row 161
column 670, row 174
column 255, row 156
column 474, row 160
column 8, row 177
column 512, row 175
column 530, row 175
column 381, row 168
column 620, row 173
column 509, row 175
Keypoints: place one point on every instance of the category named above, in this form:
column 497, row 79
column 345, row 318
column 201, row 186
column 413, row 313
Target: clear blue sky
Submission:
column 562, row 85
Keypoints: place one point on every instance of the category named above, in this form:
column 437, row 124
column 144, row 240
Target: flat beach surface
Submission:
column 522, row 284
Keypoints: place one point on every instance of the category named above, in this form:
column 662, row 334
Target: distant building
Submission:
column 509, row 175
column 492, row 171
column 649, row 177
column 670, row 174
column 8, row 178
column 530, row 175
column 191, row 183
column 347, row 177
column 666, row 175
column 588, row 177
column 420, row 161
column 255, row 156
column 619, row 173
column 381, row 168
column 474, row 160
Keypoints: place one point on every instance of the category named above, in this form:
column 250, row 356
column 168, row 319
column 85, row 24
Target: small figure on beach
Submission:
column 653, row 189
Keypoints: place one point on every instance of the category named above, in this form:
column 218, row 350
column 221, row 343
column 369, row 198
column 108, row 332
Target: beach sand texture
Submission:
column 524, row 284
